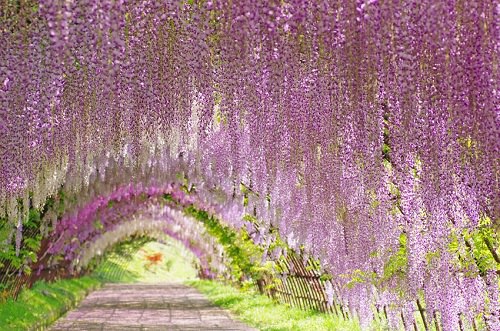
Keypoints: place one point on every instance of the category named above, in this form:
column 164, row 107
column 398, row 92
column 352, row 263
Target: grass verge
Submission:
column 36, row 308
column 261, row 312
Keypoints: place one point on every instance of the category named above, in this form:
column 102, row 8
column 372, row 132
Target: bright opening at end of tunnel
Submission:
column 149, row 261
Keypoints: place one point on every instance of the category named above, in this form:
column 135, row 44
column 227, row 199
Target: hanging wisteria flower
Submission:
column 365, row 132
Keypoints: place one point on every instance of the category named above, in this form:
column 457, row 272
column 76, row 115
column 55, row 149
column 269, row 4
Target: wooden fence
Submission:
column 299, row 283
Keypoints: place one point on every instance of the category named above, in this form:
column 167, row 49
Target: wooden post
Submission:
column 422, row 314
column 403, row 319
column 460, row 323
column 474, row 326
column 436, row 322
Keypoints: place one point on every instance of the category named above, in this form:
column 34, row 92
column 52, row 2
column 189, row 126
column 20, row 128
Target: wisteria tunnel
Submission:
column 346, row 149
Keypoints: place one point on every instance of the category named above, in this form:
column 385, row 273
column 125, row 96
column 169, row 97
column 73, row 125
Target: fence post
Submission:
column 436, row 322
column 422, row 314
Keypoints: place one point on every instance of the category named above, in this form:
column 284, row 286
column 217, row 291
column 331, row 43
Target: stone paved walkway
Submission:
column 147, row 307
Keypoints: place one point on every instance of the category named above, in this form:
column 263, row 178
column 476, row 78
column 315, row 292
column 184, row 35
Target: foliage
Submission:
column 474, row 250
column 16, row 255
column 397, row 265
column 244, row 255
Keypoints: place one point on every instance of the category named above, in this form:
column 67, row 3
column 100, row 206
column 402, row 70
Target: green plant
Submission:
column 244, row 255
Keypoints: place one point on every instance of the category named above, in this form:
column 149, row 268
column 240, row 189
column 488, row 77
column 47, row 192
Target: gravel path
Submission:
column 147, row 307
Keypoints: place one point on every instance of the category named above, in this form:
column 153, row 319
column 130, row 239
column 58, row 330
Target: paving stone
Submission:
column 147, row 307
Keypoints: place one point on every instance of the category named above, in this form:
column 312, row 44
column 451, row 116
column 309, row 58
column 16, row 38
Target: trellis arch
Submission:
column 159, row 224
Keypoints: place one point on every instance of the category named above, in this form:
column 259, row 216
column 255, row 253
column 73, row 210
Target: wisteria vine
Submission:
column 357, row 128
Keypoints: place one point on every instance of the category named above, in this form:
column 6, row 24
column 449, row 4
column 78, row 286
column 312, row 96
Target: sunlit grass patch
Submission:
column 153, row 262
column 261, row 312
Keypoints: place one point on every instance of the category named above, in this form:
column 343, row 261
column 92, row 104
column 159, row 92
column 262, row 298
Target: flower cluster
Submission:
column 347, row 125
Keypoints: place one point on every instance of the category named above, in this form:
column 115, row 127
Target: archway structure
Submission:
column 160, row 223
column 365, row 132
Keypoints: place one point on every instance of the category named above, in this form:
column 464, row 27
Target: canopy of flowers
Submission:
column 357, row 128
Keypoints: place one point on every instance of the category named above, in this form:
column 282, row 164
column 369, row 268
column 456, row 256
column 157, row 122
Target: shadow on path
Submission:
column 147, row 307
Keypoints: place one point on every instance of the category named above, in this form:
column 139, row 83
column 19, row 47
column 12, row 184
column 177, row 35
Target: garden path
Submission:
column 169, row 306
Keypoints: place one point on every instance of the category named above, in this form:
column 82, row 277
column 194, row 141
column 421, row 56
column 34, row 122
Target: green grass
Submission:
column 38, row 307
column 261, row 312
